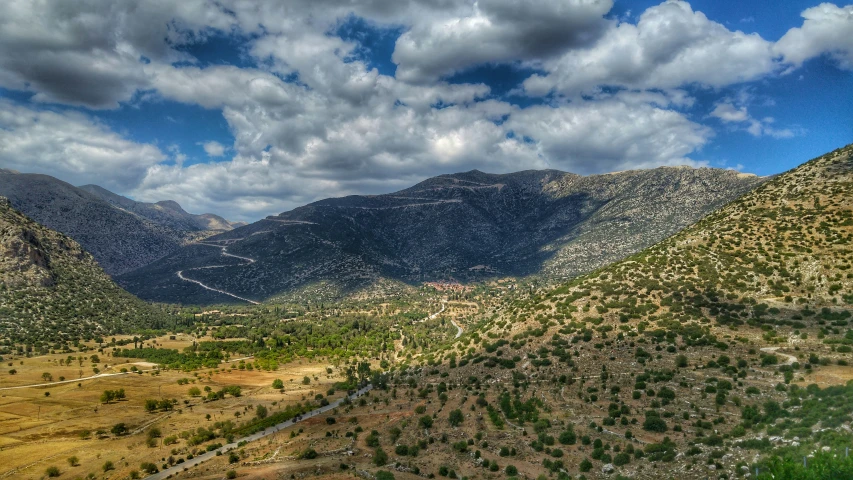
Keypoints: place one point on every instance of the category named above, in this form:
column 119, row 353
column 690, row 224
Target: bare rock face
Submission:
column 120, row 233
column 464, row 227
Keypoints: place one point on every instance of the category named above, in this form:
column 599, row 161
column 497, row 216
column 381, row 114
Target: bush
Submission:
column 654, row 424
column 230, row 474
column 568, row 437
column 384, row 475
column 52, row 471
column 511, row 470
column 380, row 458
column 585, row 465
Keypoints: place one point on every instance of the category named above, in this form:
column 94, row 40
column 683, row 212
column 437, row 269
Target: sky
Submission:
column 248, row 109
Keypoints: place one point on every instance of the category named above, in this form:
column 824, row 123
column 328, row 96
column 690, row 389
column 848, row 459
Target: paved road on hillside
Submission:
column 224, row 252
column 255, row 436
column 458, row 329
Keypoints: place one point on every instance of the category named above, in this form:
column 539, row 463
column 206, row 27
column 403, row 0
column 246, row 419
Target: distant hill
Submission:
column 120, row 233
column 464, row 227
column 167, row 213
column 51, row 290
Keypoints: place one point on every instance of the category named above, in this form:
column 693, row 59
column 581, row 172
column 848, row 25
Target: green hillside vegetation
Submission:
column 677, row 351
column 53, row 293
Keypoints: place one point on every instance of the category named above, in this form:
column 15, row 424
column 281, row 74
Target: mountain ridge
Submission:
column 120, row 233
column 463, row 226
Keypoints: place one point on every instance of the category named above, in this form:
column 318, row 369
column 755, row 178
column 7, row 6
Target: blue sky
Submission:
column 248, row 111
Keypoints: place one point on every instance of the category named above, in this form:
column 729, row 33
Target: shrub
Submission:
column 52, row 471
column 654, row 424
column 380, row 458
column 456, row 417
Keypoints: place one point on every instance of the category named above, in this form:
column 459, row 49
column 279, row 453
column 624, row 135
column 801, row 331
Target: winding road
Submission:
column 255, row 436
column 458, row 328
column 789, row 359
column 249, row 261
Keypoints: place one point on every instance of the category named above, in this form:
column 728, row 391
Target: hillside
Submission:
column 692, row 356
column 167, row 213
column 121, row 234
column 463, row 227
column 53, row 292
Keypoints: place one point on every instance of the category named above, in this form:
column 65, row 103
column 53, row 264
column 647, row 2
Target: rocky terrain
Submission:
column 52, row 291
column 120, row 233
column 461, row 227
column 694, row 358
column 167, row 213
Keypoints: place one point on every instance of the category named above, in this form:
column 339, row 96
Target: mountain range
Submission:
column 120, row 233
column 459, row 227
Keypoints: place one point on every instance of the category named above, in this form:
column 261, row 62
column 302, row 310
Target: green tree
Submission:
column 654, row 424
column 277, row 384
column 456, row 417
column 380, row 457
column 261, row 412
column 384, row 475
column 108, row 396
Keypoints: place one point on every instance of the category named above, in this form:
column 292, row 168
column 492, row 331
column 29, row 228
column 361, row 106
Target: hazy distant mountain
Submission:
column 167, row 212
column 51, row 290
column 120, row 233
column 463, row 226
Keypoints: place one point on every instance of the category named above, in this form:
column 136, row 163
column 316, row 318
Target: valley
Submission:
column 715, row 352
column 426, row 240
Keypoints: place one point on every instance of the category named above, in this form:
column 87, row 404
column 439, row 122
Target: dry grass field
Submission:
column 45, row 426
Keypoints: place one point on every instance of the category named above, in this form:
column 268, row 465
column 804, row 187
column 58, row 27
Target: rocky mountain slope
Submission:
column 695, row 357
column 121, row 234
column 52, row 291
column 465, row 226
column 167, row 213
